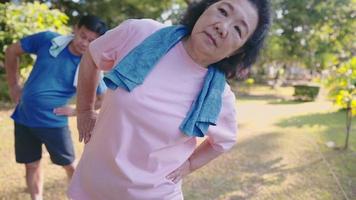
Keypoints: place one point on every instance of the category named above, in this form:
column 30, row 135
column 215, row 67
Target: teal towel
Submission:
column 59, row 43
column 137, row 64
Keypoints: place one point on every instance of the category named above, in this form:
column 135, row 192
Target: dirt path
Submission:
column 270, row 161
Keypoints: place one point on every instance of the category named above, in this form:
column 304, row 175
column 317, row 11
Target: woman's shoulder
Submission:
column 145, row 23
column 228, row 93
column 143, row 26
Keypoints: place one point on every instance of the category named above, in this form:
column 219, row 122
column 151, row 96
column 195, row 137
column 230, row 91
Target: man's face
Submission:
column 82, row 38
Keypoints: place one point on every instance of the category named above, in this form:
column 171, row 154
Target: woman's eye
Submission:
column 223, row 12
column 238, row 30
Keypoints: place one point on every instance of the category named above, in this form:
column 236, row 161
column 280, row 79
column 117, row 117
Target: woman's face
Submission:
column 222, row 29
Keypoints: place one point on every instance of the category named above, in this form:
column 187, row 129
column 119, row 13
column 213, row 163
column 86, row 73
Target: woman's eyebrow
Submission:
column 232, row 9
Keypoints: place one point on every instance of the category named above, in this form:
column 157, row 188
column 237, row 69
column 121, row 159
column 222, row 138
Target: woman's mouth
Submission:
column 211, row 38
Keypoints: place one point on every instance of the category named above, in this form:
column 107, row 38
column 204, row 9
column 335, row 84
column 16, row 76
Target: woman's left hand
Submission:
column 179, row 173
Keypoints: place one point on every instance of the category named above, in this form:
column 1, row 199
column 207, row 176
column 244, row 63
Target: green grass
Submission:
column 12, row 175
column 278, row 152
column 279, row 155
column 332, row 124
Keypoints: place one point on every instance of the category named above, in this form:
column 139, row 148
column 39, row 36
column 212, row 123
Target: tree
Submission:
column 114, row 11
column 313, row 33
column 28, row 18
column 343, row 90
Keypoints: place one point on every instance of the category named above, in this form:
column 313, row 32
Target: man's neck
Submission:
column 72, row 49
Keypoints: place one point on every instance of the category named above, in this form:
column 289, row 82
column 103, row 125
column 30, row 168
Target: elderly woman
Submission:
column 167, row 86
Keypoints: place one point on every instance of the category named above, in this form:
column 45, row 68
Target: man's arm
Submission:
column 68, row 110
column 12, row 65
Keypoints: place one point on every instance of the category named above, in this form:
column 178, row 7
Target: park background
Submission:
column 296, row 139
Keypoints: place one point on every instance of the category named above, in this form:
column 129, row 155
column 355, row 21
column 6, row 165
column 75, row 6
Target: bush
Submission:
column 342, row 85
column 4, row 96
column 19, row 20
column 306, row 92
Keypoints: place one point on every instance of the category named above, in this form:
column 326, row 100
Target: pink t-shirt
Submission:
column 136, row 141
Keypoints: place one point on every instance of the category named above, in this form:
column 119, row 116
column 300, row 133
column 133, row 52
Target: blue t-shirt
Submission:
column 50, row 84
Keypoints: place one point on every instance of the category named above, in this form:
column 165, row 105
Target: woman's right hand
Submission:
column 85, row 124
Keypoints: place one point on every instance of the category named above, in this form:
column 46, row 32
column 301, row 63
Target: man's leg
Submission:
column 70, row 169
column 34, row 179
column 59, row 144
column 28, row 150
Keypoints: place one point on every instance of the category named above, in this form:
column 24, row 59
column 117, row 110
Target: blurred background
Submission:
column 296, row 107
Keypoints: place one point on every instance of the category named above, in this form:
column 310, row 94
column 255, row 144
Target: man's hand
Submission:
column 85, row 124
column 65, row 111
column 179, row 173
column 15, row 93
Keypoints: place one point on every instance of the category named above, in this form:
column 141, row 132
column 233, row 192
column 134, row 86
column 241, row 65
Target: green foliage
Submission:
column 19, row 20
column 342, row 85
column 312, row 33
column 246, row 87
column 249, row 81
column 25, row 19
column 306, row 92
column 3, row 89
column 115, row 11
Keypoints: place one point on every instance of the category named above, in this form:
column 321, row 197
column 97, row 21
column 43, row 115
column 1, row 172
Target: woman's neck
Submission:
column 188, row 46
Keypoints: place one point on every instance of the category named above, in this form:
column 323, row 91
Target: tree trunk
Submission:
column 348, row 124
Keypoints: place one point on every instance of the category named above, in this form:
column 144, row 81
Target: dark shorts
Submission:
column 58, row 141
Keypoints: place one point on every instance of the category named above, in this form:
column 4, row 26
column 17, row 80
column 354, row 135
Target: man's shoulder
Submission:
column 48, row 35
column 51, row 34
column 33, row 43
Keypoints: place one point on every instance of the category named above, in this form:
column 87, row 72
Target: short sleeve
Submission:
column 108, row 49
column 103, row 49
column 223, row 136
column 32, row 43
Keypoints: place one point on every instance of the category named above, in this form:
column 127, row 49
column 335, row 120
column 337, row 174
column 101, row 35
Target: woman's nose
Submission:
column 221, row 29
